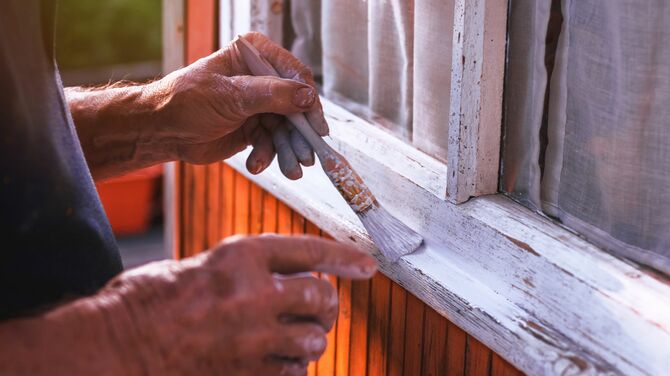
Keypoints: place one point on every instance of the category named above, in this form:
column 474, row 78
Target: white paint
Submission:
column 478, row 61
column 541, row 297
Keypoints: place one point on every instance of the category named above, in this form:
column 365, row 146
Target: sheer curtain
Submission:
column 602, row 165
column 389, row 61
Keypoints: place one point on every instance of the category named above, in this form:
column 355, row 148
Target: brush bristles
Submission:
column 393, row 238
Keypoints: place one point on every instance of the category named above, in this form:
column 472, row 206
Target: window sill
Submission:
column 541, row 297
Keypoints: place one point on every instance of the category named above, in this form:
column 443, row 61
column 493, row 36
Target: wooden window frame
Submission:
column 539, row 295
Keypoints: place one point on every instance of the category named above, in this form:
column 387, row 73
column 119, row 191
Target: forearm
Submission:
column 76, row 338
column 116, row 126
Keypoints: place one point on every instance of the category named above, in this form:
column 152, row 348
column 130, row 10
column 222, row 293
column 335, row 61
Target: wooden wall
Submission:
column 381, row 328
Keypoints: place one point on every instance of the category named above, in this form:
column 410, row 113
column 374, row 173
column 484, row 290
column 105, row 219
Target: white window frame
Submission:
column 543, row 298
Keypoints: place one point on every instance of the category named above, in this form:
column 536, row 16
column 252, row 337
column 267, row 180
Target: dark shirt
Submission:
column 55, row 240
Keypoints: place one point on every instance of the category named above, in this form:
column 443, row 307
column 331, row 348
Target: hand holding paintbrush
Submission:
column 393, row 238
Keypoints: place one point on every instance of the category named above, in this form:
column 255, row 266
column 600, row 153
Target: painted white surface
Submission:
column 538, row 295
column 477, row 72
column 541, row 297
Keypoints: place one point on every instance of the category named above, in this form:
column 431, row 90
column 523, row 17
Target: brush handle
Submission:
column 346, row 180
column 260, row 67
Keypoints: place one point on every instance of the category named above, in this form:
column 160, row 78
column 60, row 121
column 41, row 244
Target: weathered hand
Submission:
column 213, row 109
column 241, row 309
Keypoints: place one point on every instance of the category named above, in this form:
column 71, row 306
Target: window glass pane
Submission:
column 606, row 165
column 387, row 61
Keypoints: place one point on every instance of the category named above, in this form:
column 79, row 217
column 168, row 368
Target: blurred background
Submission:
column 98, row 42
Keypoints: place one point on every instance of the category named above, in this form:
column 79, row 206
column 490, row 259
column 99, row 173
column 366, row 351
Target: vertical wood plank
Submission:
column 378, row 325
column 186, row 205
column 343, row 333
column 302, row 226
column 241, row 210
column 298, row 223
column 455, row 350
column 434, row 344
column 200, row 28
column 477, row 358
column 499, row 367
column 228, row 197
column 326, row 365
column 413, row 336
column 284, row 217
column 198, row 201
column 397, row 332
column 269, row 213
column 360, row 298
column 255, row 210
column 213, row 204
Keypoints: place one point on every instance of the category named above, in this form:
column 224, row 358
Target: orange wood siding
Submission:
column 381, row 328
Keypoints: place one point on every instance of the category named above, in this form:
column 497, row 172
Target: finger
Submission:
column 263, row 151
column 301, row 148
column 288, row 66
column 277, row 366
column 308, row 299
column 297, row 254
column 317, row 120
column 297, row 342
column 271, row 94
column 288, row 162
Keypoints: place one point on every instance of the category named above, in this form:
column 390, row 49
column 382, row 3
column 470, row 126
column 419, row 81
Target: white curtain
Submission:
column 603, row 167
column 388, row 61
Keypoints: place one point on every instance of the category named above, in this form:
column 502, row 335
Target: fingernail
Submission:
column 304, row 97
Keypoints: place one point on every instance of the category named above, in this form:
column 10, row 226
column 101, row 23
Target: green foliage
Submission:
column 94, row 32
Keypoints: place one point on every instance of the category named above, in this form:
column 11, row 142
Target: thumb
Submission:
column 272, row 94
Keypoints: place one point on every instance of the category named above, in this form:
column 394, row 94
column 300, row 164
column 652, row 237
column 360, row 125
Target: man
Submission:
column 66, row 305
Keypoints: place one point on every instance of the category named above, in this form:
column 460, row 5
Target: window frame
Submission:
column 543, row 298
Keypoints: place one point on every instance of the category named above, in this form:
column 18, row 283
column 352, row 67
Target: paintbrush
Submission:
column 393, row 238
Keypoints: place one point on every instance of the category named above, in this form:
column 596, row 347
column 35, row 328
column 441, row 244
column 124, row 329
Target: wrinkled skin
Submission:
column 247, row 307
column 205, row 112
column 240, row 97
column 231, row 315
column 244, row 308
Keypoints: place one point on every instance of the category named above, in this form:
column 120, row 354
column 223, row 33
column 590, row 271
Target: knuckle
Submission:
column 311, row 340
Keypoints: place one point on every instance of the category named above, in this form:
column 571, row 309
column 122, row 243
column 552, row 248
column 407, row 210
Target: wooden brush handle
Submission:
column 346, row 180
column 260, row 67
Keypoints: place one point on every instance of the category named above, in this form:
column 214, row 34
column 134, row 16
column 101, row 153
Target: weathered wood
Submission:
column 477, row 358
column 326, row 365
column 499, row 367
column 241, row 208
column 213, row 204
column 413, row 336
column 228, row 201
column 173, row 58
column 197, row 199
column 398, row 322
column 455, row 350
column 173, row 35
column 478, row 61
column 358, row 351
column 403, row 159
column 378, row 325
column 343, row 334
column 434, row 344
column 537, row 294
column 284, row 219
column 269, row 212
